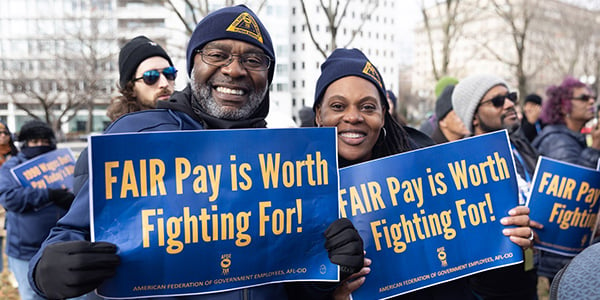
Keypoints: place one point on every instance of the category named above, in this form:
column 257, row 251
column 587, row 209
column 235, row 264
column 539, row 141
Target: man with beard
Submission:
column 230, row 60
column 146, row 75
column 485, row 104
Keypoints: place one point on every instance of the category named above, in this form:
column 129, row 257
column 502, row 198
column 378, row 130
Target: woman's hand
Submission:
column 522, row 235
column 350, row 284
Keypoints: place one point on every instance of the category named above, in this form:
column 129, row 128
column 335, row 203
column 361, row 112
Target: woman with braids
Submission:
column 351, row 96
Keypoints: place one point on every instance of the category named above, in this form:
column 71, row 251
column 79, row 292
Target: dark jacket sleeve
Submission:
column 566, row 148
column 16, row 198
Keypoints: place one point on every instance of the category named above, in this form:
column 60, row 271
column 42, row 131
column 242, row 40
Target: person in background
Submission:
column 307, row 117
column 530, row 123
column 31, row 212
column 394, row 108
column 7, row 145
column 485, row 104
column 449, row 126
column 567, row 108
column 430, row 123
column 7, row 150
column 231, row 65
column 350, row 95
column 146, row 75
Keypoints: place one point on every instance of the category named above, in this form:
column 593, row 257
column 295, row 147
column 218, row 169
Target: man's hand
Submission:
column 345, row 247
column 71, row 269
column 61, row 197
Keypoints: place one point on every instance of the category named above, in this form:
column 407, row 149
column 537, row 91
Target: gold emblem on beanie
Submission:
column 245, row 24
column 370, row 70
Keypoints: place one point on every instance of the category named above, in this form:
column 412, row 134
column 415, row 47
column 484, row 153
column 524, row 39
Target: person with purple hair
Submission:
column 567, row 109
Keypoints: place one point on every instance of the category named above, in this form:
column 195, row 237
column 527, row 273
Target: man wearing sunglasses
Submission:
column 485, row 104
column 231, row 62
column 146, row 75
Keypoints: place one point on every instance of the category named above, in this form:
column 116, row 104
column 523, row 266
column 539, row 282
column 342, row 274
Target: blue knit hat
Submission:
column 348, row 62
column 235, row 22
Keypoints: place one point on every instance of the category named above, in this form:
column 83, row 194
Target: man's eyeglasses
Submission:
column 584, row 97
column 4, row 133
column 250, row 61
column 150, row 77
column 498, row 101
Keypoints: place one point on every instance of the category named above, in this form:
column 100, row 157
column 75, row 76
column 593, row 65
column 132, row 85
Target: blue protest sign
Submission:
column 564, row 198
column 432, row 215
column 53, row 169
column 205, row 211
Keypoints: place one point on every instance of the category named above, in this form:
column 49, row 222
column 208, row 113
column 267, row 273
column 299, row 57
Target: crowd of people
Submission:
column 48, row 231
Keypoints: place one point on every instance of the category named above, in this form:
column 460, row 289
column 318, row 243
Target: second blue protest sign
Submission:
column 206, row 211
column 432, row 215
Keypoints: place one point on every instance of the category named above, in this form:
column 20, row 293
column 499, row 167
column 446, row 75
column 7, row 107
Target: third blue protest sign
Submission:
column 52, row 169
column 213, row 210
column 564, row 198
column 432, row 215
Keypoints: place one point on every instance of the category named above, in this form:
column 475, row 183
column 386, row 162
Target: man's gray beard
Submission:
column 203, row 95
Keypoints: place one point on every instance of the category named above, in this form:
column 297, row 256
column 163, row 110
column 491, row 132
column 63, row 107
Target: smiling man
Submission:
column 230, row 60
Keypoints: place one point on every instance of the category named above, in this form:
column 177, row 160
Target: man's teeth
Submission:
column 225, row 90
column 352, row 135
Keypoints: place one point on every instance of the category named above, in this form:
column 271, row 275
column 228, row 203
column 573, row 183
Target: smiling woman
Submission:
column 351, row 96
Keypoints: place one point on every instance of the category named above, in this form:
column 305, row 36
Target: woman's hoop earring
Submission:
column 384, row 132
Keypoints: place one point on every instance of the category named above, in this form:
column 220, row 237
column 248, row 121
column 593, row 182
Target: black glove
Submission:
column 74, row 268
column 345, row 247
column 61, row 197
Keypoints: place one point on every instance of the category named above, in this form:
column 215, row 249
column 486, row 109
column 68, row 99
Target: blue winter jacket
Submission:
column 29, row 213
column 561, row 143
column 76, row 223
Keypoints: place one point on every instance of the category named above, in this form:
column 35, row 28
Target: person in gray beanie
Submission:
column 485, row 104
column 449, row 126
column 146, row 75
column 231, row 63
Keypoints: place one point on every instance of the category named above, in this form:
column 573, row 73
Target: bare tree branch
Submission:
column 335, row 19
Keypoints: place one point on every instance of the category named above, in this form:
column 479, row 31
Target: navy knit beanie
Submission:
column 236, row 23
column 348, row 62
column 135, row 52
column 443, row 105
column 534, row 98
